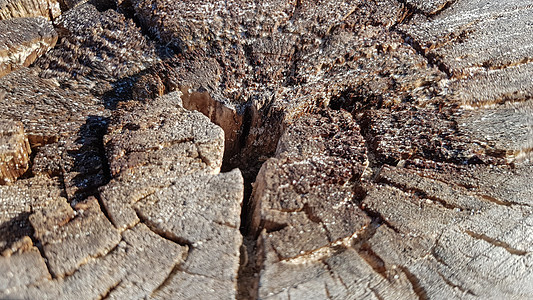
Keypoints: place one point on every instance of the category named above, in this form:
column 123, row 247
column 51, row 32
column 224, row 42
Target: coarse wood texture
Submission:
column 272, row 149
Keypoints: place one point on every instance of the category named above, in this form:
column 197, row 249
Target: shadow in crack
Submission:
column 89, row 169
column 13, row 230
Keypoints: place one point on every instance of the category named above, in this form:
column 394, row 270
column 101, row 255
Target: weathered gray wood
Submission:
column 507, row 130
column 69, row 238
column 22, row 266
column 391, row 142
column 430, row 7
column 79, row 242
column 485, row 45
column 117, row 274
column 166, row 161
column 16, row 204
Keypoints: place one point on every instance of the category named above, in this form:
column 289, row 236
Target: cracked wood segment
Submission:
column 162, row 132
column 166, row 161
column 205, row 212
column 49, row 115
column 22, row 41
column 25, row 267
column 149, row 146
column 484, row 43
column 134, row 269
column 14, row 151
column 70, row 238
column 506, row 131
column 148, row 259
column 449, row 239
column 10, row 9
column 305, row 196
column 305, row 201
column 91, row 53
column 339, row 273
column 16, row 204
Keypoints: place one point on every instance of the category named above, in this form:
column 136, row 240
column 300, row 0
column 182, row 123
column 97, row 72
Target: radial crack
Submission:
column 421, row 194
column 111, row 289
column 496, row 243
column 164, row 234
column 456, row 286
column 167, row 280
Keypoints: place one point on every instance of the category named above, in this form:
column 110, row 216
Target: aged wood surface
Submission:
column 266, row 149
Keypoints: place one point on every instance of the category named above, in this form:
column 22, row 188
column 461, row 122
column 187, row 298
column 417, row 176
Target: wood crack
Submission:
column 419, row 290
column 378, row 218
column 333, row 275
column 376, row 294
column 111, row 289
column 456, row 286
column 89, row 259
column 39, row 247
column 167, row 280
column 164, row 234
column 422, row 194
column 500, row 202
column 496, row 243
column 432, row 60
column 373, row 260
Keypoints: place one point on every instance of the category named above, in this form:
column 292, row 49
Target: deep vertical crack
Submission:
column 249, row 268
column 39, row 246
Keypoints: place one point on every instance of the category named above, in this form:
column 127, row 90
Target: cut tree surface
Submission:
column 185, row 226
column 166, row 162
column 485, row 45
column 384, row 151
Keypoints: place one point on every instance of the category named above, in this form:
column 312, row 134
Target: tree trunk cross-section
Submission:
column 274, row 149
